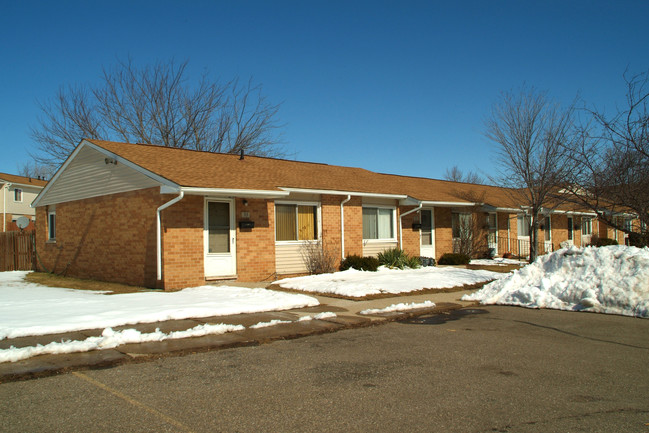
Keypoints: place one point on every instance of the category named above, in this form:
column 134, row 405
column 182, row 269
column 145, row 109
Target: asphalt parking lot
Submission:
column 480, row 369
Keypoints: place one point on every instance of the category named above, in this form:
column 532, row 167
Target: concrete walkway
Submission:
column 347, row 316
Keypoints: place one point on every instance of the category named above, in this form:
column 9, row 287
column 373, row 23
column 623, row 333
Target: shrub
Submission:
column 397, row 258
column 360, row 263
column 602, row 242
column 317, row 259
column 454, row 259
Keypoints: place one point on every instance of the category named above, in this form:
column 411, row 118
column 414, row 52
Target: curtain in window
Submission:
column 461, row 225
column 285, row 228
column 306, row 221
column 370, row 223
column 385, row 224
column 548, row 228
column 523, row 225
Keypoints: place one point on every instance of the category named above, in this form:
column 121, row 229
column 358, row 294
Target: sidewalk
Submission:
column 347, row 316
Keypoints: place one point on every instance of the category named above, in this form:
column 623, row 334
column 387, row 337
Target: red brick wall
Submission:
column 443, row 232
column 110, row 238
column 256, row 246
column 354, row 227
column 331, row 235
column 182, row 243
column 411, row 243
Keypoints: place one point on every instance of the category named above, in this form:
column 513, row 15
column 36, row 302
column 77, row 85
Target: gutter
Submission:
column 421, row 204
column 342, row 225
column 181, row 194
column 5, row 188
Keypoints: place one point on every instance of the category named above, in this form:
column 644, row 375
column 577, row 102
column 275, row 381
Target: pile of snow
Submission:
column 399, row 307
column 110, row 339
column 32, row 309
column 353, row 283
column 613, row 279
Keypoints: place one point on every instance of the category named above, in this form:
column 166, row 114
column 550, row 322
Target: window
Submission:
column 523, row 225
column 51, row 225
column 378, row 223
column 461, row 225
column 18, row 195
column 586, row 226
column 426, row 227
column 548, row 229
column 295, row 222
column 570, row 228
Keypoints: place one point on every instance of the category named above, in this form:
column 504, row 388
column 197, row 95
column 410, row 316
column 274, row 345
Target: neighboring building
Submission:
column 172, row 218
column 16, row 196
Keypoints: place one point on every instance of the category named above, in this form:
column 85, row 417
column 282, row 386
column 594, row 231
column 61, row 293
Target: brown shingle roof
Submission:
column 191, row 168
column 12, row 178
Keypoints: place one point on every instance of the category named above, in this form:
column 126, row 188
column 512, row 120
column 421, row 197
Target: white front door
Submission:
column 427, row 236
column 220, row 239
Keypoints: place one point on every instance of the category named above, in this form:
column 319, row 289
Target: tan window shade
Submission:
column 306, row 222
column 285, row 222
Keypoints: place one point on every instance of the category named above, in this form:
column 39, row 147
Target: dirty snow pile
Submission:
column 110, row 339
column 612, row 279
column 32, row 309
column 353, row 283
column 404, row 306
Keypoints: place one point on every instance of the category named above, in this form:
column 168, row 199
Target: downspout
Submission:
column 158, row 233
column 342, row 225
column 5, row 188
column 418, row 208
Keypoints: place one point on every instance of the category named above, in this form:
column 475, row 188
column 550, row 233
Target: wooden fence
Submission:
column 17, row 251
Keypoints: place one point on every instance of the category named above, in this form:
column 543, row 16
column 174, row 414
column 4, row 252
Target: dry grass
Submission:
column 52, row 280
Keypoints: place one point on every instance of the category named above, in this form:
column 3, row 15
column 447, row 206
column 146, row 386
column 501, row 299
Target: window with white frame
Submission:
column 586, row 226
column 51, row 225
column 296, row 222
column 547, row 226
column 378, row 223
column 18, row 195
column 523, row 225
column 461, row 225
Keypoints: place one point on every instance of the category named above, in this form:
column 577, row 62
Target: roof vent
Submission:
column 241, row 157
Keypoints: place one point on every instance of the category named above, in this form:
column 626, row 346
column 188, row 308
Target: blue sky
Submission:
column 395, row 87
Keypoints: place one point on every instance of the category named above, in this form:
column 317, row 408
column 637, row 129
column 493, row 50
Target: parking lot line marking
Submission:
column 132, row 401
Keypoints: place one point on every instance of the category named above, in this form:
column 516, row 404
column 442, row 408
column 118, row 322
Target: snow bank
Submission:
column 613, row 279
column 32, row 309
column 353, row 283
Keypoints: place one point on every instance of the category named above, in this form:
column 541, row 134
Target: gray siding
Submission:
column 88, row 175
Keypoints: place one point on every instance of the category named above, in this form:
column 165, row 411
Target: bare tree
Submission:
column 611, row 162
column 532, row 133
column 158, row 104
column 454, row 174
column 37, row 171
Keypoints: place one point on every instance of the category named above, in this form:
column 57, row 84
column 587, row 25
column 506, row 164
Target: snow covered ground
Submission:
column 32, row 309
column 353, row 283
column 613, row 279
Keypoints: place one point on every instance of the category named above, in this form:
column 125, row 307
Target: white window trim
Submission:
column 49, row 226
column 394, row 223
column 518, row 234
column 462, row 213
column 22, row 193
column 298, row 203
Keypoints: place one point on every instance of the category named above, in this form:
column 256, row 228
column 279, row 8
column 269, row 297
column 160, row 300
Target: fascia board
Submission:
column 448, row 203
column 224, row 192
column 353, row 193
